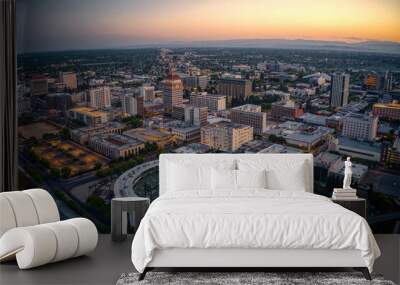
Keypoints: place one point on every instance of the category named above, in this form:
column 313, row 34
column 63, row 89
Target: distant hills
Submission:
column 364, row 46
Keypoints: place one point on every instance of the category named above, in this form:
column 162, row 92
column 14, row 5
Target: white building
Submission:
column 360, row 127
column 99, row 97
column 214, row 102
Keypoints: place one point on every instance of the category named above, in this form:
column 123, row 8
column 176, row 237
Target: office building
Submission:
column 286, row 111
column 360, row 127
column 192, row 115
column 116, row 146
column 226, row 136
column 147, row 92
column 133, row 104
column 387, row 111
column 99, row 97
column 59, row 101
column 214, row 102
column 339, row 90
column 250, row 115
column 88, row 116
column 234, row 88
column 39, row 85
column 69, row 80
column 196, row 116
column 380, row 82
column 172, row 89
column 202, row 81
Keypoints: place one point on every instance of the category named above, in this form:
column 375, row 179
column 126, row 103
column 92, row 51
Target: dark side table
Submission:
column 119, row 215
column 357, row 205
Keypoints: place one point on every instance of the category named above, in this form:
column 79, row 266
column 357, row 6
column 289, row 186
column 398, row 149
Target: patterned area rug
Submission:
column 243, row 278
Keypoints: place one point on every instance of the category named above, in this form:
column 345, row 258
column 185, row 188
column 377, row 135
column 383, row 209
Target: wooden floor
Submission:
column 110, row 260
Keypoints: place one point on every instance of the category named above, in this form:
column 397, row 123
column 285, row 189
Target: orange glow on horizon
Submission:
column 307, row 19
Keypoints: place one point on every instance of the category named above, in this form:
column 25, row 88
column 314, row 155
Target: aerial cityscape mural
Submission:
column 104, row 87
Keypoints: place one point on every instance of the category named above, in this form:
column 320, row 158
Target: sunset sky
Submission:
column 76, row 24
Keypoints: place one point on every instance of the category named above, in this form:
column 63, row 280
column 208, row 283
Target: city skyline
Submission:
column 114, row 24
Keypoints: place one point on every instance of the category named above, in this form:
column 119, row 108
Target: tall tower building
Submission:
column 340, row 90
column 99, row 97
column 172, row 89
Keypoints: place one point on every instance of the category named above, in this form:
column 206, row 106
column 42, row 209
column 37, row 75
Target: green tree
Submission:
column 65, row 172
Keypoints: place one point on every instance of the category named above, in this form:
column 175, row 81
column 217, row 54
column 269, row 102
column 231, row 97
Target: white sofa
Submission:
column 31, row 231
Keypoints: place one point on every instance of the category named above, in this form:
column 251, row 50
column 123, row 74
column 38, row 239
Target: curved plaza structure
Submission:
column 123, row 186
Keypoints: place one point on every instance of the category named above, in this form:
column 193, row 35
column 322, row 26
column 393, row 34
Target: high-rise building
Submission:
column 69, row 80
column 196, row 116
column 285, row 111
column 360, row 127
column 147, row 92
column 133, row 104
column 387, row 111
column 340, row 89
column 226, row 136
column 234, row 88
column 99, row 97
column 214, row 102
column 250, row 115
column 172, row 89
column 39, row 85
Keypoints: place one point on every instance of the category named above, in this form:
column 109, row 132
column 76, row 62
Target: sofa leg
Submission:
column 143, row 274
column 364, row 271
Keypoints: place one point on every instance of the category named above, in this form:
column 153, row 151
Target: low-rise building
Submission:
column 364, row 150
column 83, row 135
column 159, row 136
column 301, row 135
column 387, row 111
column 116, row 146
column 88, row 116
column 286, row 111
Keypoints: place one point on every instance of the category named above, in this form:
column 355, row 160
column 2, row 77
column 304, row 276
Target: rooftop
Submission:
column 88, row 111
column 227, row 125
column 356, row 144
column 248, row 108
column 389, row 106
column 193, row 148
